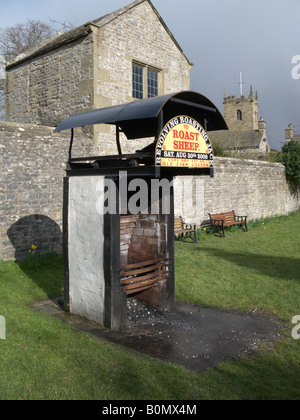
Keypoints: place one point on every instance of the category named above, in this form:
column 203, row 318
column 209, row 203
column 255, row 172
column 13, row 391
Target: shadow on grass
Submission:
column 274, row 266
column 37, row 240
column 46, row 272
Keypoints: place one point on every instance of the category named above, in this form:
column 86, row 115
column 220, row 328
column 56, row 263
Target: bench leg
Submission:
column 191, row 235
column 244, row 226
column 216, row 229
column 219, row 230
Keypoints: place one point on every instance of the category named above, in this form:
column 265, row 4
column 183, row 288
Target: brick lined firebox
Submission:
column 144, row 238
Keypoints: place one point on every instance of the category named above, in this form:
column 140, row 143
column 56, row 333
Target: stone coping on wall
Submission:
column 246, row 162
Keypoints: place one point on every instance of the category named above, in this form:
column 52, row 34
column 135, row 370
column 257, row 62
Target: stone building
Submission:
column 290, row 134
column 247, row 133
column 241, row 114
column 126, row 55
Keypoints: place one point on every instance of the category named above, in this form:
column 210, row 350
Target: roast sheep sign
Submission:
column 183, row 142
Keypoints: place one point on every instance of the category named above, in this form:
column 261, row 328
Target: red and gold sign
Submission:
column 183, row 142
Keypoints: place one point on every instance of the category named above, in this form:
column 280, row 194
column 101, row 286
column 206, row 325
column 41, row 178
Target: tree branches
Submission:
column 15, row 40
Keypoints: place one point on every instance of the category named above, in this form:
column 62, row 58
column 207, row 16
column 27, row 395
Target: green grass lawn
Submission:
column 42, row 358
column 259, row 269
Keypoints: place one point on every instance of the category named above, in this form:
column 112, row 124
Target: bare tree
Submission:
column 15, row 40
column 63, row 26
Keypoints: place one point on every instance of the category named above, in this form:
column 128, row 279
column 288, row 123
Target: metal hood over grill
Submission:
column 139, row 119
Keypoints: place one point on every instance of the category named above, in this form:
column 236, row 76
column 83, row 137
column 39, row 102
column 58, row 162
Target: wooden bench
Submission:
column 184, row 230
column 143, row 275
column 220, row 220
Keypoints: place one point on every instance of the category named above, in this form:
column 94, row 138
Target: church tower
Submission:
column 241, row 113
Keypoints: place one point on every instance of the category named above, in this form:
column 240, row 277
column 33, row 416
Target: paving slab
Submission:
column 192, row 336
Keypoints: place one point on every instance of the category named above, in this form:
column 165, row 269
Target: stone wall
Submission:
column 32, row 160
column 48, row 88
column 253, row 188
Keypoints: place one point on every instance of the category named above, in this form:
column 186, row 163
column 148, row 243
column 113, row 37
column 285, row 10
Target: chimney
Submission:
column 289, row 132
column 262, row 125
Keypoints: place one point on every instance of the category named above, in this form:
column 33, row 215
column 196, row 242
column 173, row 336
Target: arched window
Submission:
column 239, row 115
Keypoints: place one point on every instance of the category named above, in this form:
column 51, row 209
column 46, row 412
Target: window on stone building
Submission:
column 145, row 81
column 137, row 82
column 239, row 115
column 152, row 80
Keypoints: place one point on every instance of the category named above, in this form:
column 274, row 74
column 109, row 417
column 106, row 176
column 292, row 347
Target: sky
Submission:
column 222, row 38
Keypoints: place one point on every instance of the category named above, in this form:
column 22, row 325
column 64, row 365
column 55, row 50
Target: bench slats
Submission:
column 221, row 220
column 177, row 231
column 178, row 224
column 184, row 230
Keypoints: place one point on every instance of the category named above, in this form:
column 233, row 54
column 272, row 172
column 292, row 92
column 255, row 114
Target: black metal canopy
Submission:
column 143, row 119
column 139, row 119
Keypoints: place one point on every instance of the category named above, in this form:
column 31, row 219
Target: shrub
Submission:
column 290, row 158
